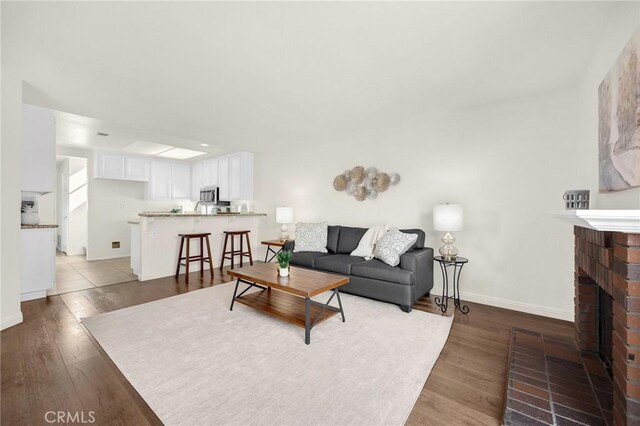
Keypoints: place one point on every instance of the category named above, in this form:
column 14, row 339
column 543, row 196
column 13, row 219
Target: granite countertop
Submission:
column 38, row 226
column 194, row 214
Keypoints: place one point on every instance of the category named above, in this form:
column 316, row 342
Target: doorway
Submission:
column 72, row 205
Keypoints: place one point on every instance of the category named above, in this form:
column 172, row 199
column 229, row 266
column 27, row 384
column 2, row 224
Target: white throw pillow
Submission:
column 311, row 237
column 369, row 240
column 393, row 245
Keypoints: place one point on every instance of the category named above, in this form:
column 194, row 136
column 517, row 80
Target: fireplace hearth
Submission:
column 607, row 311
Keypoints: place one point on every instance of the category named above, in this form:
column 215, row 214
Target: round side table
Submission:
column 456, row 263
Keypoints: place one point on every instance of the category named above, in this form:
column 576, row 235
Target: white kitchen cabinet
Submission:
column 210, row 172
column 223, row 178
column 38, row 262
column 38, row 149
column 136, row 168
column 180, row 181
column 135, row 248
column 109, row 166
column 197, row 180
column 235, row 171
column 241, row 176
column 233, row 174
column 159, row 187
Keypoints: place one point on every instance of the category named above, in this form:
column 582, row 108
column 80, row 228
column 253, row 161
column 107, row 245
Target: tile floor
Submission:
column 74, row 273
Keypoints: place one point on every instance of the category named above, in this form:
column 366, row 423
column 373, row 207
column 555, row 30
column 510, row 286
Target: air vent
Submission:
column 102, row 134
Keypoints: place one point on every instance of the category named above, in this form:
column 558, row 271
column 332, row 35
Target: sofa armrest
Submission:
column 289, row 245
column 420, row 262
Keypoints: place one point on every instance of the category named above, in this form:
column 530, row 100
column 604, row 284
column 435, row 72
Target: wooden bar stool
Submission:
column 188, row 258
column 233, row 253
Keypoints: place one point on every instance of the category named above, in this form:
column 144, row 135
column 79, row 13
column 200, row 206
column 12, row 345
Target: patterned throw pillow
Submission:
column 393, row 245
column 311, row 237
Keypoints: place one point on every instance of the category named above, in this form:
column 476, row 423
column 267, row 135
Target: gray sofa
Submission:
column 402, row 285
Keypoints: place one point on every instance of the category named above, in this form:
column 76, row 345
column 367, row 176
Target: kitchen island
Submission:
column 155, row 242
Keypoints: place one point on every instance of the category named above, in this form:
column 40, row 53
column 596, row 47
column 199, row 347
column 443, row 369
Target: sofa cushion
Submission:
column 349, row 239
column 393, row 245
column 311, row 237
column 306, row 259
column 419, row 242
column 333, row 233
column 340, row 263
column 378, row 270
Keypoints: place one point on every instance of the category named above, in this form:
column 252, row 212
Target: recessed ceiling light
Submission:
column 204, row 144
column 102, row 134
column 180, row 153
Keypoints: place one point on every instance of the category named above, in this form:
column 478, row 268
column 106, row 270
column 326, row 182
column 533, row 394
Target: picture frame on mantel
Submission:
column 619, row 114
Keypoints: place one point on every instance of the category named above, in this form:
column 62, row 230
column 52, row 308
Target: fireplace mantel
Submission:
column 627, row 221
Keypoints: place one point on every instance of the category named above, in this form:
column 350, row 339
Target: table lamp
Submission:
column 448, row 218
column 284, row 215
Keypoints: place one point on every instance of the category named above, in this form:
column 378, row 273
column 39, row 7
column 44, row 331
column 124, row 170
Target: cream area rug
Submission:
column 196, row 363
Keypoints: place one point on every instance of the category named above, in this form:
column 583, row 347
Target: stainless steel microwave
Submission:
column 210, row 194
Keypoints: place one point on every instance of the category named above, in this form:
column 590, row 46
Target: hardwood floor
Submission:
column 51, row 363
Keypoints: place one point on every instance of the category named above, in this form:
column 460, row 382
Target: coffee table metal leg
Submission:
column 339, row 303
column 307, row 321
column 235, row 291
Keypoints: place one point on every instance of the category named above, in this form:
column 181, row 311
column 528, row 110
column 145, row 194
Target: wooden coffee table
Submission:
column 289, row 298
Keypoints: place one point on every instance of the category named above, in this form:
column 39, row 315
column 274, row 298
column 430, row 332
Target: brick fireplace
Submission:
column 609, row 263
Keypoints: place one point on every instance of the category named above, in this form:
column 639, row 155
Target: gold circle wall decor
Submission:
column 340, row 183
column 382, row 182
column 357, row 174
column 365, row 183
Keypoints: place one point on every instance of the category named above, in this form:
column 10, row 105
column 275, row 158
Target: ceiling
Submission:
column 82, row 132
column 268, row 75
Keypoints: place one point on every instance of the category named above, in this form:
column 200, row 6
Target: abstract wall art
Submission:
column 619, row 121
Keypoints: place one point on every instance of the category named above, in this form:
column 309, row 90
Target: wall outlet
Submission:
column 115, row 244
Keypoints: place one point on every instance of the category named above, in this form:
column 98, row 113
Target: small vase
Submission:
column 283, row 272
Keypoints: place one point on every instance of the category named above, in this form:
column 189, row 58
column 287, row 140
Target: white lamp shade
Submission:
column 284, row 215
column 447, row 217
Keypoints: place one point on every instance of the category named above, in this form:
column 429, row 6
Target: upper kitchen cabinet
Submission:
column 38, row 149
column 197, row 180
column 110, row 166
column 159, row 187
column 233, row 174
column 210, row 173
column 169, row 181
column 136, row 168
column 241, row 176
column 180, row 181
column 223, row 178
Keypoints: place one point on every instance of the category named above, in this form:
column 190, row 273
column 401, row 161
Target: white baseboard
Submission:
column 108, row 257
column 512, row 305
column 33, row 295
column 11, row 321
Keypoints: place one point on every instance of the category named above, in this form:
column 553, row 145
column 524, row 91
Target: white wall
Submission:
column 111, row 204
column 507, row 164
column 622, row 23
column 47, row 208
column 10, row 265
